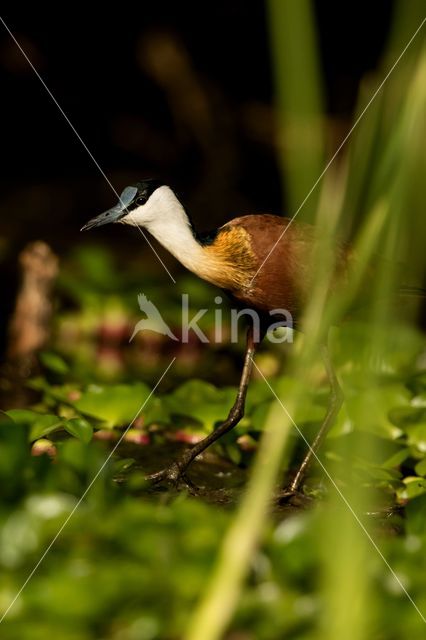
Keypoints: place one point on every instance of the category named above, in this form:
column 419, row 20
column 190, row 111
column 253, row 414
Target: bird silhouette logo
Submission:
column 154, row 320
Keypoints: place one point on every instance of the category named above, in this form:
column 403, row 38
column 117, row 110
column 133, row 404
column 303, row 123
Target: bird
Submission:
column 262, row 261
column 154, row 320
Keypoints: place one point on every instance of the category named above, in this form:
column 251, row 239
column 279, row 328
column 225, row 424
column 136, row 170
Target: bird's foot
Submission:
column 173, row 475
column 291, row 495
column 170, row 475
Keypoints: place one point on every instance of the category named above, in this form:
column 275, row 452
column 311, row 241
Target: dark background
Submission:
column 177, row 90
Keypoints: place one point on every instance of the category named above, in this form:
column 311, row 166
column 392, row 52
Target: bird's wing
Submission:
column 283, row 250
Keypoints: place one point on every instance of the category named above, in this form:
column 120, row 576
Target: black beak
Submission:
column 112, row 215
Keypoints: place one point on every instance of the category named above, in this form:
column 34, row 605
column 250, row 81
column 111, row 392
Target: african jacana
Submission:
column 230, row 258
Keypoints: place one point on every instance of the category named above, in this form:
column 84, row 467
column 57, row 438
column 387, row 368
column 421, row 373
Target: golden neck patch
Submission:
column 229, row 261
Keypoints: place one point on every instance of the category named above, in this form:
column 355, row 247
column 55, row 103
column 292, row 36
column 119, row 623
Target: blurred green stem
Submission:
column 298, row 101
column 215, row 610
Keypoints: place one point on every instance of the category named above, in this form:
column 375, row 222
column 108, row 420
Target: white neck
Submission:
column 165, row 218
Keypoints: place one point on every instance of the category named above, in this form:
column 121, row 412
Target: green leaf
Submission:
column 115, row 405
column 54, row 362
column 23, row 416
column 40, row 424
column 404, row 416
column 156, row 410
column 420, row 400
column 79, row 428
column 418, row 383
column 369, row 408
column 380, row 473
column 201, row 400
column 45, row 425
column 416, row 435
column 122, row 465
column 413, row 488
column 420, row 467
column 397, row 458
column 76, row 454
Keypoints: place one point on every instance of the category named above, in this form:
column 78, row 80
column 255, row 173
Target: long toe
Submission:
column 294, row 497
column 169, row 475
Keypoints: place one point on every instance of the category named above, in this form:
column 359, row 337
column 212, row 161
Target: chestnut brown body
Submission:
column 266, row 262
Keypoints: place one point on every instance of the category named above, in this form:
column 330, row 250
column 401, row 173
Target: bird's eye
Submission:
column 140, row 200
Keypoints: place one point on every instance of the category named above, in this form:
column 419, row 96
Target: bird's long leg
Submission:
column 179, row 466
column 334, row 405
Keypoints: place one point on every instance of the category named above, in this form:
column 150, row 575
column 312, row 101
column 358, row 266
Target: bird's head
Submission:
column 139, row 205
